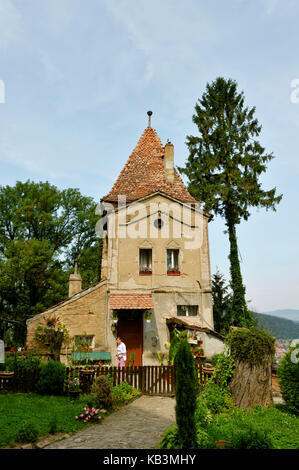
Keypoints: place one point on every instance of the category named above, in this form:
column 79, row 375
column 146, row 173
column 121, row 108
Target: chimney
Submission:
column 75, row 282
column 169, row 162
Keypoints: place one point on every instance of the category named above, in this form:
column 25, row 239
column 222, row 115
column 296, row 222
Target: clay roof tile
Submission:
column 143, row 173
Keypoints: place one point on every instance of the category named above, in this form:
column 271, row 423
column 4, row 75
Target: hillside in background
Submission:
column 289, row 314
column 281, row 328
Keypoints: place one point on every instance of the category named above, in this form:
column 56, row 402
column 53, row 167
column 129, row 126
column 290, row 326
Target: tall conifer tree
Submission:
column 224, row 165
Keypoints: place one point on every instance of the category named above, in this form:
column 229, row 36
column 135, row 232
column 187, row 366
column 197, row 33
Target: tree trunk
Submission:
column 241, row 315
column 252, row 385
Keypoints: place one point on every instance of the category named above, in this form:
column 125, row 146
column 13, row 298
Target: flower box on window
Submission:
column 173, row 271
column 145, row 271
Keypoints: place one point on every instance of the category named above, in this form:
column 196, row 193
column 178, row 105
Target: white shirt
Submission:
column 122, row 351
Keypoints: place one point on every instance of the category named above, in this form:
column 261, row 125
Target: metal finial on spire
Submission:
column 149, row 113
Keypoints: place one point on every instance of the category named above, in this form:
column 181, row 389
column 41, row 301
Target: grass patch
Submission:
column 16, row 409
column 282, row 427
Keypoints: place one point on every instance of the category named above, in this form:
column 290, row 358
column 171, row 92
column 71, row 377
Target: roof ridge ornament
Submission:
column 149, row 113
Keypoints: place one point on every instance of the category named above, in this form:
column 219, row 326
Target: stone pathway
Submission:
column 138, row 425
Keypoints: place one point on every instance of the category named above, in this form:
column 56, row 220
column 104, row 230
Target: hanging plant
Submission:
column 148, row 316
column 115, row 318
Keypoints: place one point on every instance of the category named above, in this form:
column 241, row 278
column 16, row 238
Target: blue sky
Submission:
column 79, row 77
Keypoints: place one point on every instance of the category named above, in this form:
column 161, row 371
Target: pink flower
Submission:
column 87, row 412
column 77, row 417
column 81, row 416
column 96, row 412
column 84, row 409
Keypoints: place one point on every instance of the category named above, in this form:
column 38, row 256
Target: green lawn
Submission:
column 283, row 427
column 17, row 408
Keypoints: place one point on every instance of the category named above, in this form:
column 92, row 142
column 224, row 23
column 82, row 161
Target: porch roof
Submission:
column 131, row 300
column 192, row 322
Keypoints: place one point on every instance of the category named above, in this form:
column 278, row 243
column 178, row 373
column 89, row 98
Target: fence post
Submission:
column 140, row 378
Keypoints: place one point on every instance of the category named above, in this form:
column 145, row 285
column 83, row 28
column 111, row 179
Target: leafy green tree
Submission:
column 224, row 166
column 222, row 304
column 185, row 393
column 42, row 230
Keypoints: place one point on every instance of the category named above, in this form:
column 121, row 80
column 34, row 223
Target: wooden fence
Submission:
column 150, row 380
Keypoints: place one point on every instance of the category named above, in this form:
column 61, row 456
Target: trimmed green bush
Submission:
column 27, row 433
column 288, row 372
column 52, row 379
column 102, row 392
column 185, row 393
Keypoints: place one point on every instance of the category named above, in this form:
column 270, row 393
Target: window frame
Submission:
column 171, row 270
column 187, row 310
column 149, row 270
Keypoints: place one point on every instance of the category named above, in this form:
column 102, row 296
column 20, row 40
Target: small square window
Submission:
column 145, row 261
column 173, row 262
column 187, row 310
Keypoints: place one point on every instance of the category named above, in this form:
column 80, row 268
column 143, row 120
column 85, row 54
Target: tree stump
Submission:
column 252, row 384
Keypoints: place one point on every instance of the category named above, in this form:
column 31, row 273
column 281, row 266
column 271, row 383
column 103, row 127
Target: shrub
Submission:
column 185, row 393
column 203, row 415
column 216, row 399
column 52, row 379
column 224, row 369
column 89, row 414
column 288, row 372
column 215, row 358
column 251, row 438
column 27, row 433
column 124, row 392
column 102, row 392
column 26, row 366
column 87, row 399
column 170, row 438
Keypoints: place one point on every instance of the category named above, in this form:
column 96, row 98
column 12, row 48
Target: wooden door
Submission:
column 130, row 330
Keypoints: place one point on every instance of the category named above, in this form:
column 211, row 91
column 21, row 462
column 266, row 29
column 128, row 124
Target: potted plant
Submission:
column 86, row 370
column 145, row 270
column 173, row 271
column 115, row 318
column 73, row 386
column 148, row 316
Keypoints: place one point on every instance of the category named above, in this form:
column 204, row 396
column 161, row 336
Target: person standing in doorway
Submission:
column 121, row 354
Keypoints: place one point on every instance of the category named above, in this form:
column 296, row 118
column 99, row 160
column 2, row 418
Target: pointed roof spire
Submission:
column 144, row 172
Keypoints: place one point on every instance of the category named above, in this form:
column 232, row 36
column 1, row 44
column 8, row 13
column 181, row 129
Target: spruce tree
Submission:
column 222, row 303
column 185, row 393
column 224, row 165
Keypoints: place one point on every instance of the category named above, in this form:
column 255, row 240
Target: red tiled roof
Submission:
column 143, row 174
column 131, row 300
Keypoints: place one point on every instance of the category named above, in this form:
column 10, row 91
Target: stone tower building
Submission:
column 155, row 263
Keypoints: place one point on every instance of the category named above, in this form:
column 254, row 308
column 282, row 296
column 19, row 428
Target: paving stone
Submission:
column 141, row 425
